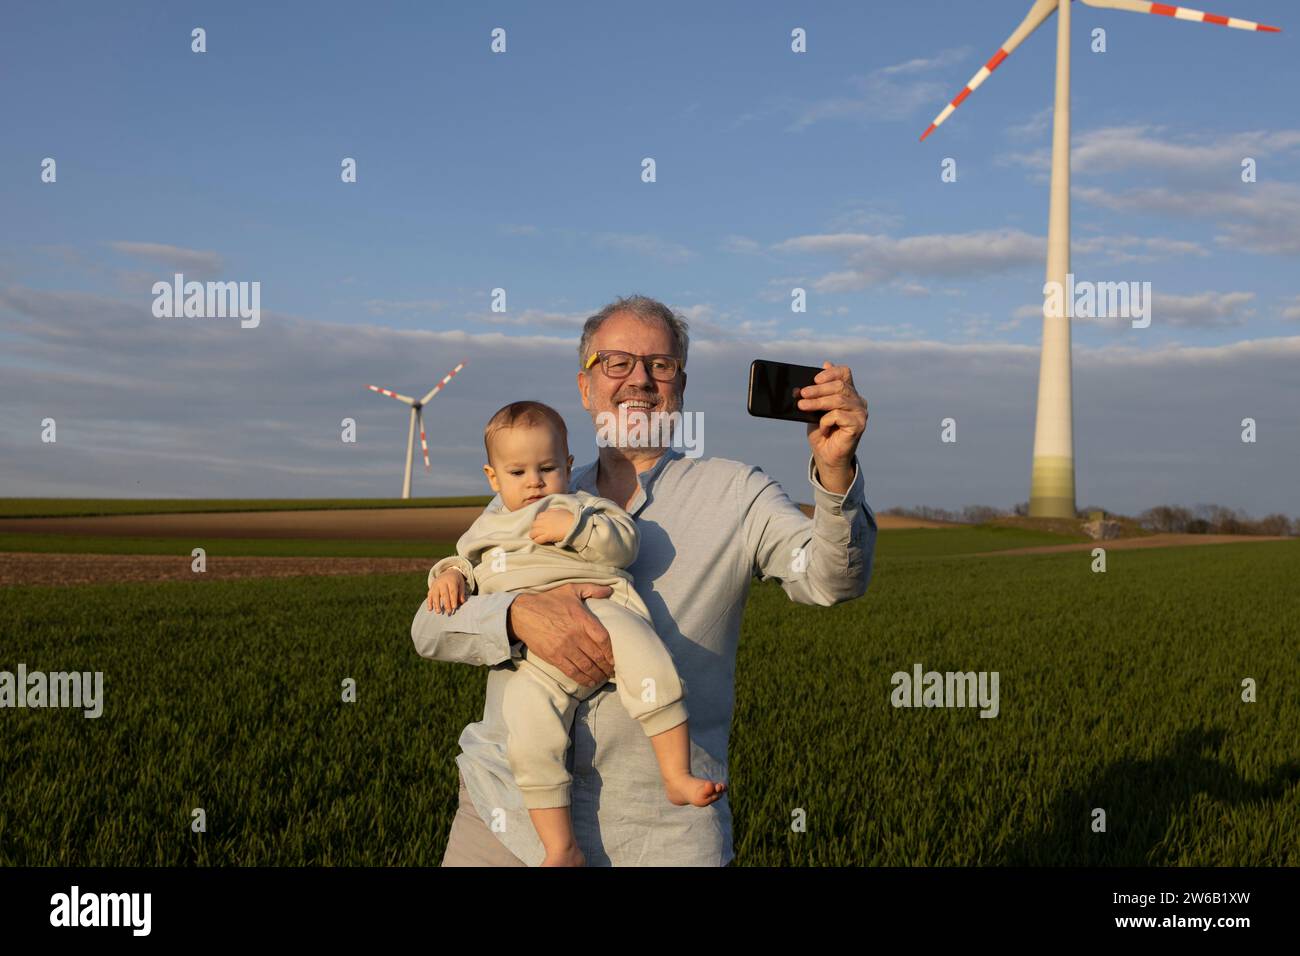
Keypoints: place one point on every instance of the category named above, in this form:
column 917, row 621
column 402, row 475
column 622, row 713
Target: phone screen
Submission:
column 771, row 390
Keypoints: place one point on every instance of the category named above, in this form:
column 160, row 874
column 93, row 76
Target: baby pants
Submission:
column 539, row 701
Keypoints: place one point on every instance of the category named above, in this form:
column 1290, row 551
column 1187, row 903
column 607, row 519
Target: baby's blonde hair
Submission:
column 525, row 414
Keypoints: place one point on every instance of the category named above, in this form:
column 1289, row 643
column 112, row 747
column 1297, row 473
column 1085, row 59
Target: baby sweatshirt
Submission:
column 496, row 554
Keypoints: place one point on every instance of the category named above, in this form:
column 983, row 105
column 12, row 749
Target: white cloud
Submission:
column 872, row 259
column 535, row 318
column 651, row 247
column 980, row 326
column 710, row 326
column 1117, row 148
column 388, row 306
column 1203, row 309
column 865, row 218
column 1136, row 248
column 1199, row 310
column 197, row 261
column 888, row 93
column 1036, row 125
column 911, row 67
column 742, row 245
column 1261, row 217
column 1199, row 176
column 899, row 330
column 699, row 312
column 204, row 408
column 1291, row 308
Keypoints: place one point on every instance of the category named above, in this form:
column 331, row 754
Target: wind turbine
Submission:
column 416, row 416
column 1051, row 493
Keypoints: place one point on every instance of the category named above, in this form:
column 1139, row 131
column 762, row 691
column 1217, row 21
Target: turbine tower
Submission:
column 1051, row 489
column 417, row 416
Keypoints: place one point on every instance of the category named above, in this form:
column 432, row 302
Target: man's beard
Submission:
column 637, row 429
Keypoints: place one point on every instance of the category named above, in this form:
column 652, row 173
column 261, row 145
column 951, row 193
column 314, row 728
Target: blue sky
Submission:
column 522, row 170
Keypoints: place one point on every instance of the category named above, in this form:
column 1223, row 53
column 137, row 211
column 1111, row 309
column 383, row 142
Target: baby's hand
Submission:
column 447, row 592
column 551, row 525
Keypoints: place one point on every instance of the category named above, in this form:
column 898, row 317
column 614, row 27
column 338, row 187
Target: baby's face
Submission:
column 529, row 463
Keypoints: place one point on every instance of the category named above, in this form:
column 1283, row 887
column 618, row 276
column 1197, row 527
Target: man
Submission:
column 707, row 526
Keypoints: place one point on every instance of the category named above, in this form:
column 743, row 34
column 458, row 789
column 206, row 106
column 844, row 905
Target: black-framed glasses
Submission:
column 615, row 364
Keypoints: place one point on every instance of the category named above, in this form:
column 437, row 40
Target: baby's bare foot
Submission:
column 694, row 790
column 565, row 856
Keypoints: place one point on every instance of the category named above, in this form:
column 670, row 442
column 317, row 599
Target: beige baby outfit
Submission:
column 496, row 554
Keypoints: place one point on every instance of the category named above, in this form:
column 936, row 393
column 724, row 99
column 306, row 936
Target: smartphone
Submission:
column 771, row 391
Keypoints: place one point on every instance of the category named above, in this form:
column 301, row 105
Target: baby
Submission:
column 544, row 537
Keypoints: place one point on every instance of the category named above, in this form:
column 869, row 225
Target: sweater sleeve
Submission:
column 825, row 559
column 458, row 563
column 603, row 534
column 477, row 632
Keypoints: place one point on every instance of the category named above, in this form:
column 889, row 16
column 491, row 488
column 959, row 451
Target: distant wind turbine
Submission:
column 1051, row 493
column 417, row 416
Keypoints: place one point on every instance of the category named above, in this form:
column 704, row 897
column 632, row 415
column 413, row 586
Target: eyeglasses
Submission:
column 616, row 364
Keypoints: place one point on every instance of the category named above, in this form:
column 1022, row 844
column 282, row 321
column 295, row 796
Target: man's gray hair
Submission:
column 644, row 307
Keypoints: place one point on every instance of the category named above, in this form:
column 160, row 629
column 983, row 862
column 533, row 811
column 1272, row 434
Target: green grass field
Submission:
column 1118, row 690
column 91, row 507
column 911, row 544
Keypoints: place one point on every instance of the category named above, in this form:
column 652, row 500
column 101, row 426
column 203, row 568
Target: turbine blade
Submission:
column 438, row 388
column 1040, row 11
column 424, row 444
column 1182, row 13
column 391, row 394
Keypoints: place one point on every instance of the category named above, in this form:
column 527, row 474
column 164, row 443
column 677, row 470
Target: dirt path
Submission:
column 68, row 569
column 1129, row 544
column 373, row 524
column 897, row 522
column 361, row 524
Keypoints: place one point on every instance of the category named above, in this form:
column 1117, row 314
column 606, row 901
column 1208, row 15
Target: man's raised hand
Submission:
column 834, row 439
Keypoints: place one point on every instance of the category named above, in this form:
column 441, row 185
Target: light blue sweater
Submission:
column 707, row 526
